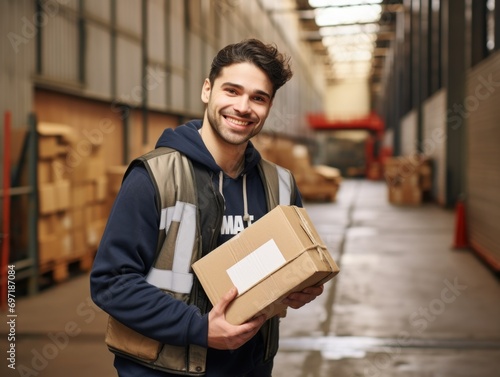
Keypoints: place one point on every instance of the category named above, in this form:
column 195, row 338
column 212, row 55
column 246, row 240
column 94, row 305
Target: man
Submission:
column 187, row 336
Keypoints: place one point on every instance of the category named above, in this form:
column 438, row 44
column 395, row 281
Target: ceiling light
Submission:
column 341, row 40
column 343, row 56
column 347, row 15
column 334, row 50
column 348, row 29
column 340, row 3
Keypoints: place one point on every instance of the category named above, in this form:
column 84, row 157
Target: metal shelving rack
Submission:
column 26, row 268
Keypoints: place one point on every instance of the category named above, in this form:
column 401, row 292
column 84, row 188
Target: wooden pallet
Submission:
column 60, row 268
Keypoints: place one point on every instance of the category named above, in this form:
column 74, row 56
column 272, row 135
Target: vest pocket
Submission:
column 127, row 341
column 270, row 331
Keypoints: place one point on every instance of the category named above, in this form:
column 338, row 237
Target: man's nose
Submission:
column 242, row 105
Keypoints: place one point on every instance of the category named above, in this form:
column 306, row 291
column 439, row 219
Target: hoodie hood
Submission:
column 187, row 140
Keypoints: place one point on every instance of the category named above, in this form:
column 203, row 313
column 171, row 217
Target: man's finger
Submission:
column 227, row 298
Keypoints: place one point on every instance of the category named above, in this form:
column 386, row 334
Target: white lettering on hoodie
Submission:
column 233, row 224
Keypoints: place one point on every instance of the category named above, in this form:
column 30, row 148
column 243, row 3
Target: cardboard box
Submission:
column 101, row 188
column 44, row 170
column 63, row 194
column 78, row 196
column 115, row 176
column 47, row 226
column 78, row 217
column 48, row 147
column 48, row 249
column 80, row 241
column 47, row 199
column 405, row 195
column 277, row 255
column 95, row 229
column 54, row 139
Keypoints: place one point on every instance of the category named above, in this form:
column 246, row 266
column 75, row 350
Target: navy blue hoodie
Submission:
column 126, row 253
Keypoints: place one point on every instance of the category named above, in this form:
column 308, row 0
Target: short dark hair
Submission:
column 275, row 64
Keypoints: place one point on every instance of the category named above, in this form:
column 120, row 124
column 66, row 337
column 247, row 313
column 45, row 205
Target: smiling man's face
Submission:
column 238, row 103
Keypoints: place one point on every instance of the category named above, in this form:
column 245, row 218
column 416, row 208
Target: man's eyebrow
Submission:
column 261, row 92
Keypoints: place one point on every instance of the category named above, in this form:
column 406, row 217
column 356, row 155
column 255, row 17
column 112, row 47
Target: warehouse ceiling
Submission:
column 351, row 37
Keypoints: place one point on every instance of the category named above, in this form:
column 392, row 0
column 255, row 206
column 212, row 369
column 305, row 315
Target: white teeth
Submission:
column 237, row 122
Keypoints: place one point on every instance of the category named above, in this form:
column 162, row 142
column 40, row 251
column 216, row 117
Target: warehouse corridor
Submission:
column 404, row 304
column 387, row 115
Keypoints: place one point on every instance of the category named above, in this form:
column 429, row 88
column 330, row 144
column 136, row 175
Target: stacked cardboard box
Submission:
column 115, row 177
column 72, row 189
column 54, row 222
column 409, row 179
column 314, row 181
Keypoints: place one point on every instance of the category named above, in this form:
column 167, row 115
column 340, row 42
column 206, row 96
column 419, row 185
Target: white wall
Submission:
column 347, row 100
column 409, row 133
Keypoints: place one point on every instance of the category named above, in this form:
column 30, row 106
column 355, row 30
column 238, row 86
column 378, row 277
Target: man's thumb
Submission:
column 227, row 298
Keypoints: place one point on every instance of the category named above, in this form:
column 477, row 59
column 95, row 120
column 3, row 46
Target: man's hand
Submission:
column 224, row 336
column 299, row 299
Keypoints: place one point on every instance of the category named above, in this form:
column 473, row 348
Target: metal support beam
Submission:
column 39, row 44
column 82, row 41
column 125, row 115
column 455, row 122
column 477, row 30
column 497, row 25
column 144, row 75
column 168, row 54
column 33, row 206
column 113, row 62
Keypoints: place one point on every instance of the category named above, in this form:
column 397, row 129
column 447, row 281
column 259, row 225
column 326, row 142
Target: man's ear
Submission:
column 205, row 91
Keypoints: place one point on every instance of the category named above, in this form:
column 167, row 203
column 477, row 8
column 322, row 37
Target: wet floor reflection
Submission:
column 340, row 347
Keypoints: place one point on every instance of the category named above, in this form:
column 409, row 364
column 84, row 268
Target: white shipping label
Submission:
column 257, row 265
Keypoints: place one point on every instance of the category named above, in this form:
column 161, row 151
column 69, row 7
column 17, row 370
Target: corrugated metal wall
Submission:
column 434, row 141
column 60, row 45
column 481, row 111
column 17, row 51
column 129, row 52
column 100, row 49
column 178, row 68
column 157, row 23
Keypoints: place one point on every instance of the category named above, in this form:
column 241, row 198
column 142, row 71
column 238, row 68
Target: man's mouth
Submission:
column 237, row 122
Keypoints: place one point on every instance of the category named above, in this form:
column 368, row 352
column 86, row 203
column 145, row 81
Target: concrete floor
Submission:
column 404, row 304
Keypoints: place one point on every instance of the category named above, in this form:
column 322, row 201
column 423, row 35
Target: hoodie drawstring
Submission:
column 246, row 216
column 221, row 183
